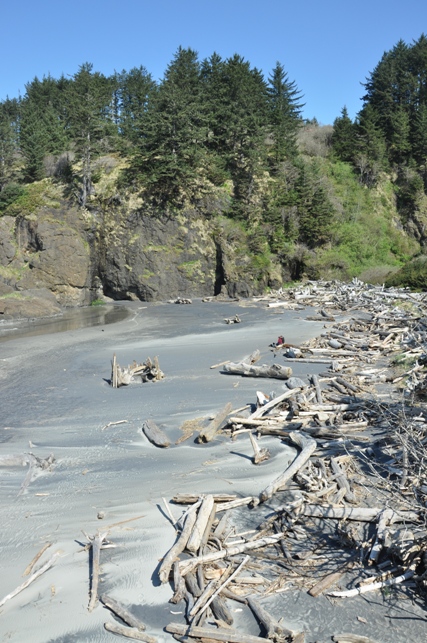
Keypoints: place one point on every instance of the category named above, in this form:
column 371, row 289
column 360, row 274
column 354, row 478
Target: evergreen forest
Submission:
column 217, row 138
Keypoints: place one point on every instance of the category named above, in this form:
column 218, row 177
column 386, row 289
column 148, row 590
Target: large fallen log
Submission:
column 362, row 514
column 275, row 371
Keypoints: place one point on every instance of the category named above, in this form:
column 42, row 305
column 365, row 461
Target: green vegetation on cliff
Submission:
column 216, row 139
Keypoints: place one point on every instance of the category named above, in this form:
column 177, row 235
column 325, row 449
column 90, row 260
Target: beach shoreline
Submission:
column 56, row 399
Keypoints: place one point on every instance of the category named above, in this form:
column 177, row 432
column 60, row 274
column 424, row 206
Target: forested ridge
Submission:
column 215, row 138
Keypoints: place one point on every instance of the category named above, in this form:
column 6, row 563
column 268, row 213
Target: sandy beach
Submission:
column 56, row 399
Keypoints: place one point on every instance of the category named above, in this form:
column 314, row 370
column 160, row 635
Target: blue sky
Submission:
column 328, row 48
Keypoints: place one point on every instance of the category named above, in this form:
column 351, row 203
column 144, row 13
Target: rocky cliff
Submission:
column 55, row 256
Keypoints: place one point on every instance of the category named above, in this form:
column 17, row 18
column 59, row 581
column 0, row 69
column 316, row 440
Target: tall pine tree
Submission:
column 284, row 116
column 89, row 103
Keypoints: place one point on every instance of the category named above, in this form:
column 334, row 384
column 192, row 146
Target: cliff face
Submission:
column 66, row 257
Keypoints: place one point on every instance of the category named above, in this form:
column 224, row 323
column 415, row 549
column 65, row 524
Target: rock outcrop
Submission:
column 68, row 257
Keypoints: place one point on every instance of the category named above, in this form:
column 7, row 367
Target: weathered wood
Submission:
column 96, row 543
column 122, row 611
column 315, row 381
column 129, row 632
column 31, row 578
column 188, row 565
column 260, row 455
column 239, row 502
column 203, row 515
column 273, row 630
column 363, row 589
column 29, row 568
column 342, row 480
column 179, row 546
column 226, row 635
column 191, row 498
column 384, row 519
column 363, row 514
column 114, row 371
column 263, row 410
column 252, row 358
column 180, row 589
column 192, row 584
column 221, row 611
column 308, row 446
column 208, row 434
column 325, row 583
column 155, row 435
column 275, row 371
column 351, row 638
column 225, row 580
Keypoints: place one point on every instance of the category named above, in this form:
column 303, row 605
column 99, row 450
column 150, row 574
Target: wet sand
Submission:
column 56, row 399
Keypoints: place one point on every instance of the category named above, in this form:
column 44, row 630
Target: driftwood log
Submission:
column 208, row 434
column 147, row 371
column 129, row 632
column 31, row 578
column 155, row 435
column 226, row 635
column 180, row 544
column 308, row 446
column 275, row 371
column 122, row 611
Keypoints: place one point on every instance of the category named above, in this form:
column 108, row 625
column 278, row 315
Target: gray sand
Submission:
column 56, row 399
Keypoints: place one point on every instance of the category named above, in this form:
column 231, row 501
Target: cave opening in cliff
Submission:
column 219, row 271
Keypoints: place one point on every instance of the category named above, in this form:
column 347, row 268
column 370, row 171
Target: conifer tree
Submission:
column 169, row 153
column 8, row 142
column 134, row 89
column 89, row 102
column 343, row 137
column 284, row 115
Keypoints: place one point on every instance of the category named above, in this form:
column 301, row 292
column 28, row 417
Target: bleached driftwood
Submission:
column 275, row 371
column 180, row 544
column 260, row 455
column 226, row 635
column 96, row 544
column 202, row 519
column 222, row 585
column 208, row 434
column 189, row 564
column 308, row 446
column 39, row 554
column 373, row 586
column 363, row 514
column 31, row 578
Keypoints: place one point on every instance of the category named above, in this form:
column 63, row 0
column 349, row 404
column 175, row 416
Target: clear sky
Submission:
column 328, row 48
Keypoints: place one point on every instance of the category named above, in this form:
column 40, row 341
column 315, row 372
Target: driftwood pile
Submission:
column 348, row 514
column 149, row 371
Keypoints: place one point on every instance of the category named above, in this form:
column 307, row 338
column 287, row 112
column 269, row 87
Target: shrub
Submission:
column 412, row 275
column 9, row 194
